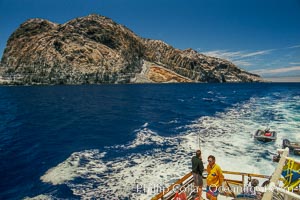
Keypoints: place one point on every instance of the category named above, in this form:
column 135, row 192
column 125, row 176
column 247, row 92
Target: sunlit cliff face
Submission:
column 95, row 49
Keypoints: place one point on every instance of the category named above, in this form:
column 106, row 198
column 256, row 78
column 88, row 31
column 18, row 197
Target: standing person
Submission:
column 197, row 170
column 214, row 178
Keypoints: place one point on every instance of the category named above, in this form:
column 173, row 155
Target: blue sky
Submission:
column 260, row 36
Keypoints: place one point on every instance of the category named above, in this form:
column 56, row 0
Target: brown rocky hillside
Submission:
column 94, row 49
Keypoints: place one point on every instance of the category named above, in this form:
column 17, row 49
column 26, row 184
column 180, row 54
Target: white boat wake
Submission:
column 151, row 162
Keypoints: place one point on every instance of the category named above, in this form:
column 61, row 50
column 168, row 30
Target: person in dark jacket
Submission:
column 197, row 170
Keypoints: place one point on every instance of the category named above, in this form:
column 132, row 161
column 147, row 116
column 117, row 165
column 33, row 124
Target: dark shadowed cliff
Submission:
column 95, row 49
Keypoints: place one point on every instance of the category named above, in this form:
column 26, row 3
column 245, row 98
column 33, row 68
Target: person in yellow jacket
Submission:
column 214, row 178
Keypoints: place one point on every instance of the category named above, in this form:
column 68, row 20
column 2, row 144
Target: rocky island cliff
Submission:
column 95, row 49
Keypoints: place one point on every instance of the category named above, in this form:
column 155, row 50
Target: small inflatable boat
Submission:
column 265, row 135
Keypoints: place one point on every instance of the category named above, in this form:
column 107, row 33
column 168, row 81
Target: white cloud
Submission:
column 276, row 71
column 294, row 63
column 271, row 61
column 257, row 53
column 223, row 54
column 293, row 47
column 242, row 63
column 235, row 54
column 242, row 58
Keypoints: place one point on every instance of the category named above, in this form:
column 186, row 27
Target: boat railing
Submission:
column 186, row 184
column 170, row 192
column 272, row 188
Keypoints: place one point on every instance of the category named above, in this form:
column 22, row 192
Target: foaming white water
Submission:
column 79, row 164
column 145, row 136
column 227, row 135
column 145, row 125
column 130, row 176
column 39, row 197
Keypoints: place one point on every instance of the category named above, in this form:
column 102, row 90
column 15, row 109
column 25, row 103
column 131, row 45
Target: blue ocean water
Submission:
column 117, row 141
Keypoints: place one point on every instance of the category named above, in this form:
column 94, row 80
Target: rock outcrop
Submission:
column 94, row 49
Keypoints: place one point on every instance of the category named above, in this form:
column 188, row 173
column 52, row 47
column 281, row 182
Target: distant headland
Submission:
column 95, row 50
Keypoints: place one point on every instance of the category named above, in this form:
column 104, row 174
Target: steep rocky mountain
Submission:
column 95, row 49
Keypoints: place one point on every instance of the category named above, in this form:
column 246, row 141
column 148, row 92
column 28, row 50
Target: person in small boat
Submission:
column 267, row 130
column 197, row 170
column 214, row 178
